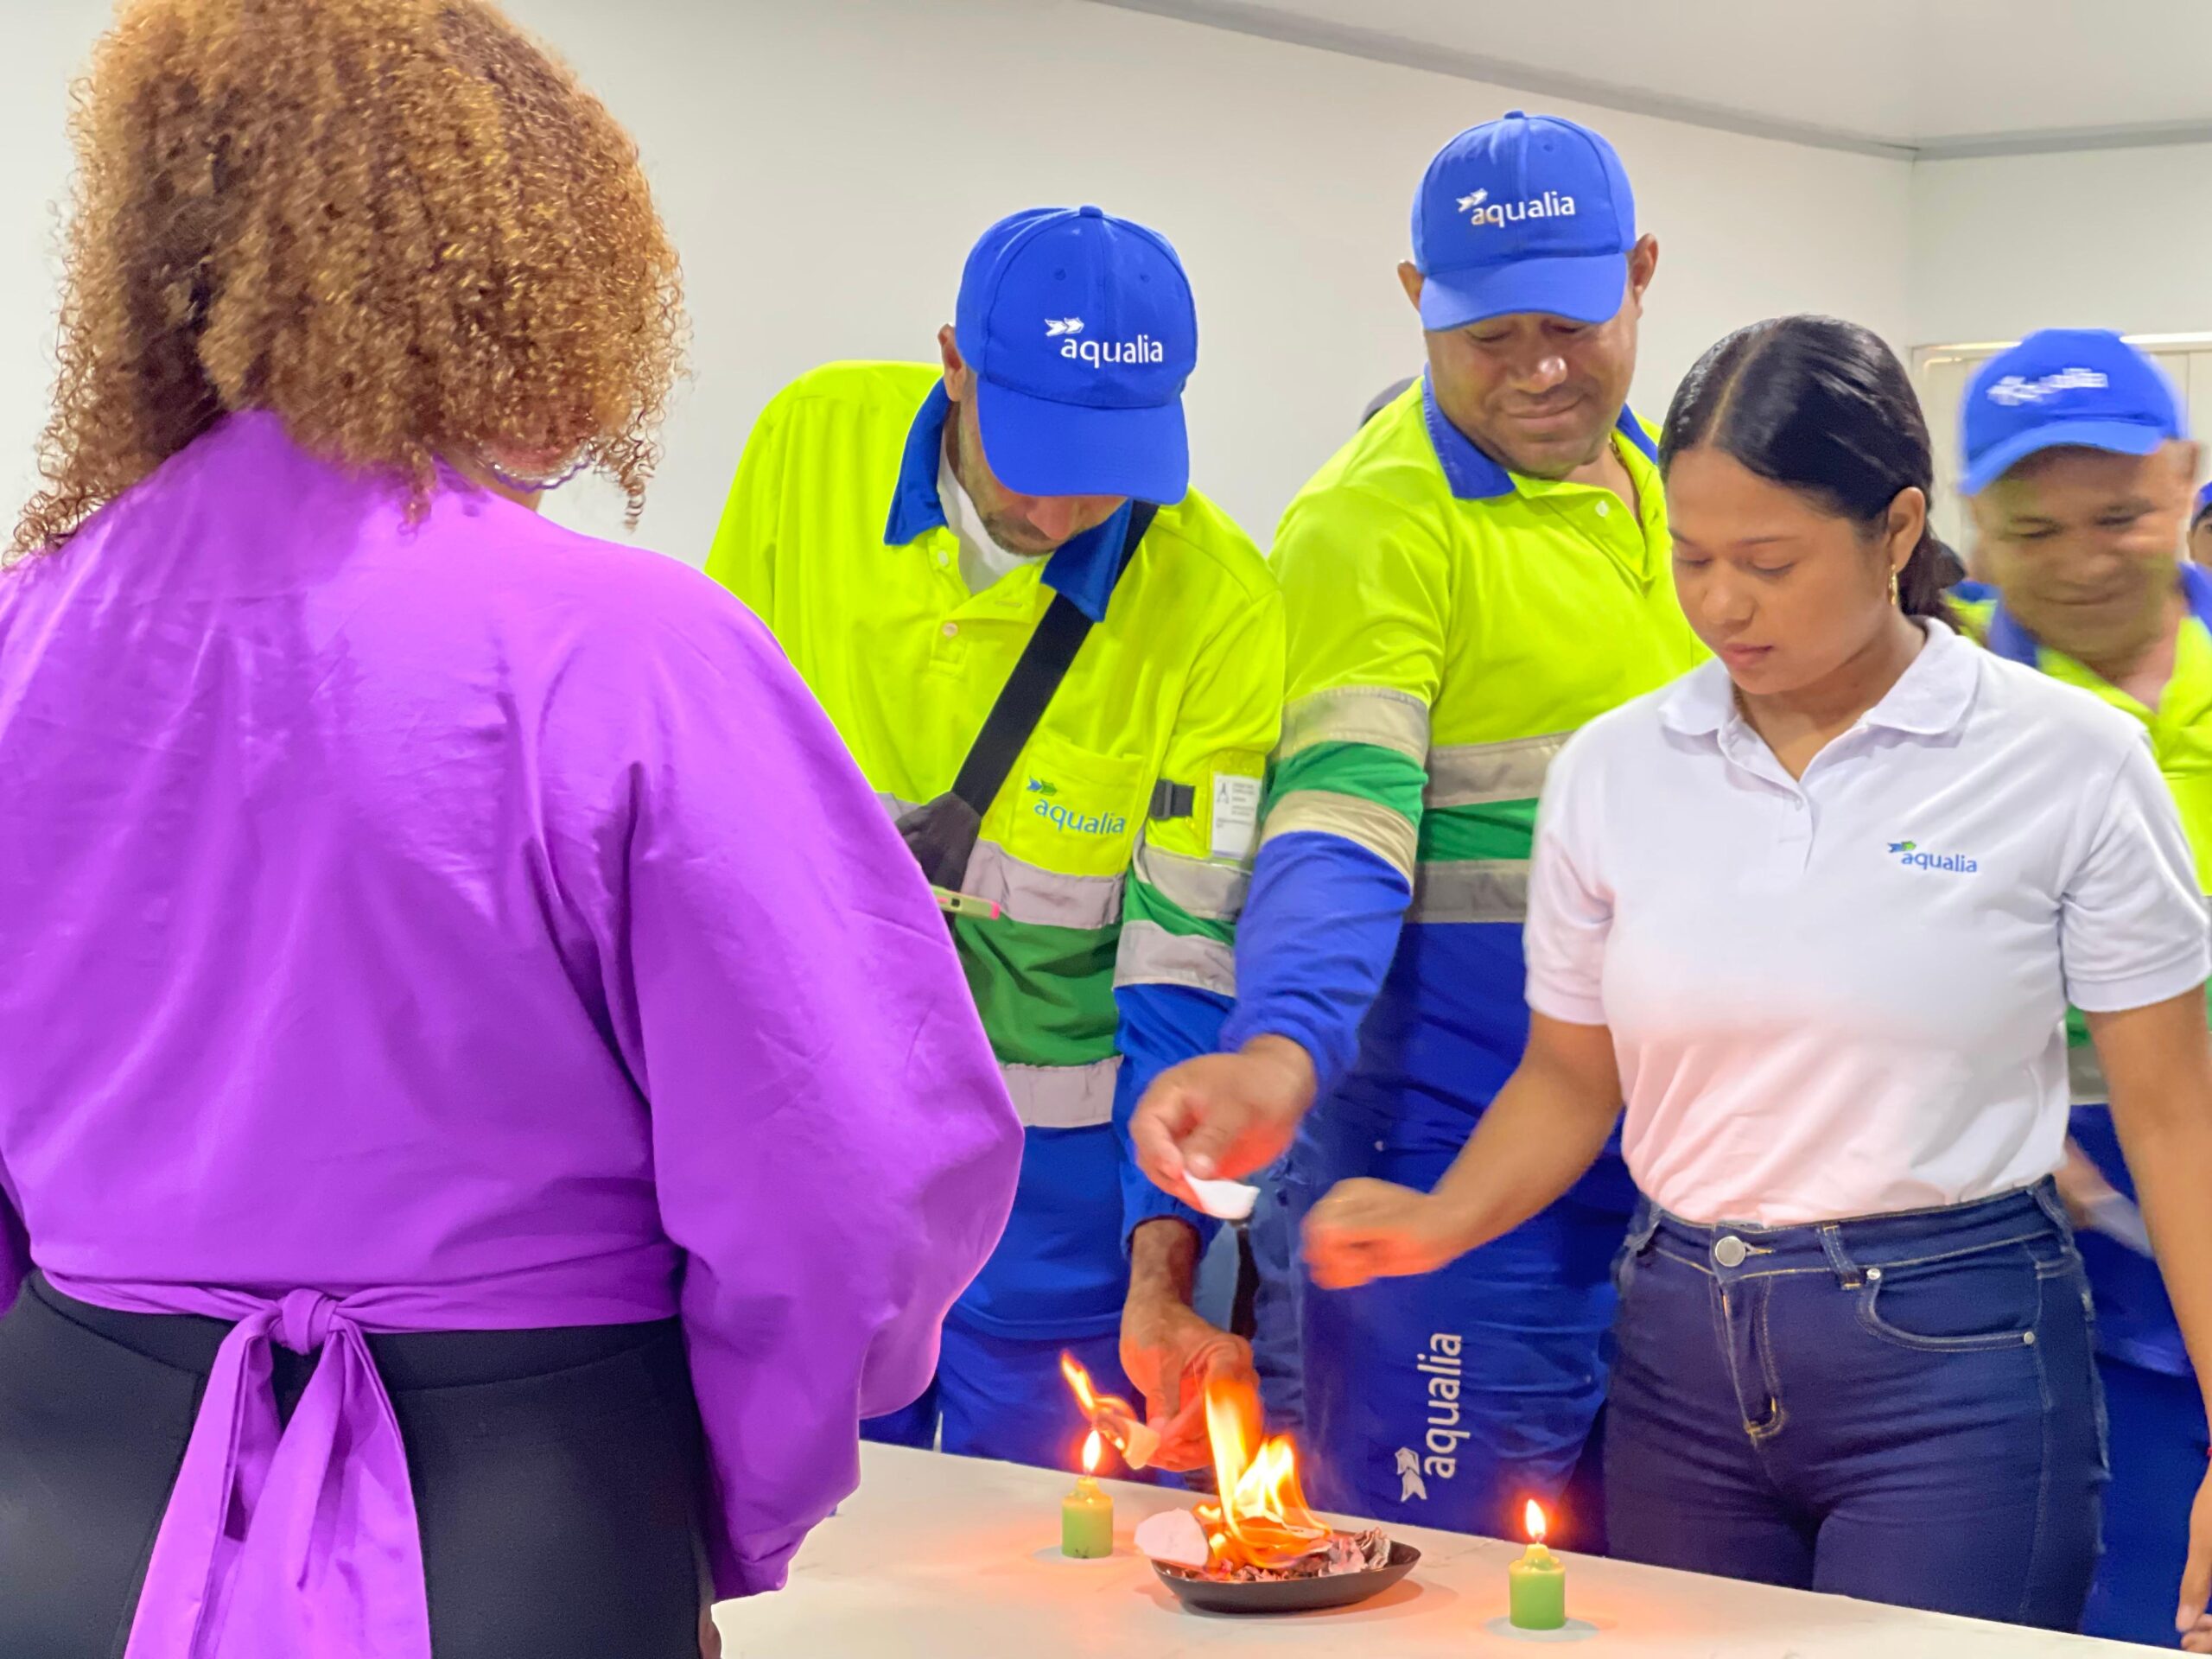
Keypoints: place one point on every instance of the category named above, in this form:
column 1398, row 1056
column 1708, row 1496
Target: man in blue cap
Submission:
column 2078, row 465
column 1062, row 671
column 1482, row 570
column 2200, row 527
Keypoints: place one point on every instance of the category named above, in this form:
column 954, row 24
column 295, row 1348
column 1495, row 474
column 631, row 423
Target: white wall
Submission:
column 2106, row 239
column 825, row 165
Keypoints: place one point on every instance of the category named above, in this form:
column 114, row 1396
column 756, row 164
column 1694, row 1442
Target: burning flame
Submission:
column 1110, row 1416
column 1079, row 1380
column 1261, row 1519
column 1533, row 1519
column 1093, row 1449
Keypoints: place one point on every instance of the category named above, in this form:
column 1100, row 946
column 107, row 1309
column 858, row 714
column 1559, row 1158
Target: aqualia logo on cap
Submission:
column 2012, row 390
column 1099, row 353
column 1481, row 210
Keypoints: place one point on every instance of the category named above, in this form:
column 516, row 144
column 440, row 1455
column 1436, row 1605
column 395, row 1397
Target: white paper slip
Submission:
column 1224, row 1200
column 1176, row 1537
column 1235, row 815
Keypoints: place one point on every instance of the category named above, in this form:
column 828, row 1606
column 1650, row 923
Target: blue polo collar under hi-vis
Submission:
column 2011, row 641
column 1085, row 568
column 1474, row 475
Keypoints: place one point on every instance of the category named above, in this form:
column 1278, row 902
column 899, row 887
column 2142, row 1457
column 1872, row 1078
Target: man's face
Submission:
column 1031, row 524
column 2082, row 544
column 2200, row 540
column 1539, row 393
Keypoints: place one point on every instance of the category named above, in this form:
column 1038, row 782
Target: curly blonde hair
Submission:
column 398, row 223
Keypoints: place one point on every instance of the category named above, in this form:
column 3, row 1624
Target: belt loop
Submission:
column 1644, row 1225
column 2047, row 1199
column 1832, row 1246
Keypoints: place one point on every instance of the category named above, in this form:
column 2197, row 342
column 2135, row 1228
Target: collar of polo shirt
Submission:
column 1931, row 697
column 1085, row 568
column 1474, row 475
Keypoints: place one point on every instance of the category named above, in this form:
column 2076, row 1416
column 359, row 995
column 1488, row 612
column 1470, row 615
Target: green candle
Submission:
column 1086, row 1513
column 1536, row 1584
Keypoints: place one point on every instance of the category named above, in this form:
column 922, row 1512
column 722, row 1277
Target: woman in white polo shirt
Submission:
column 1813, row 914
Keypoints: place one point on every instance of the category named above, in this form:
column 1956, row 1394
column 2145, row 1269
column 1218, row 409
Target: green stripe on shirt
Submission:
column 1046, row 994
column 1498, row 830
column 1382, row 776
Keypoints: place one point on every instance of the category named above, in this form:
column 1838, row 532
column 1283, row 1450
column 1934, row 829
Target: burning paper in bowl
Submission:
column 1259, row 1529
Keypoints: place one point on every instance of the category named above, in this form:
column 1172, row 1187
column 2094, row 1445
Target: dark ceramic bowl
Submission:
column 1288, row 1595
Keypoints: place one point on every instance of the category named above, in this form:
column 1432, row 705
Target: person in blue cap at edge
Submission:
column 2200, row 527
column 906, row 530
column 2078, row 465
column 1482, row 570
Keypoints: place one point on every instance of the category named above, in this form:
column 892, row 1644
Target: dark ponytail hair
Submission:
column 1823, row 407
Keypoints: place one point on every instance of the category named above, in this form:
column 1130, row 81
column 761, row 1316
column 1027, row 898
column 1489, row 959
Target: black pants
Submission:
column 558, row 1478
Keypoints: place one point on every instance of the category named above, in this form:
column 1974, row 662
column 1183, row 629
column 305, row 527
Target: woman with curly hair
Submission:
column 452, row 965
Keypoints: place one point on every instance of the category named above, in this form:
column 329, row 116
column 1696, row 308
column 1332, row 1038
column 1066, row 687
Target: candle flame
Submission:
column 1533, row 1519
column 1093, row 1449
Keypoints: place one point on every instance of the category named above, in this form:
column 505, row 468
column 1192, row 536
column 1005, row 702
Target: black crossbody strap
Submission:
column 1021, row 702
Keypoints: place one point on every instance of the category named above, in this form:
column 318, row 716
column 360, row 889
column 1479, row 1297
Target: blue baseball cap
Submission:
column 1529, row 213
column 1081, row 331
column 2065, row 387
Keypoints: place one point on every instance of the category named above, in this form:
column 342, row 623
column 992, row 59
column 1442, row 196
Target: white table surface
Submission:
column 948, row 1556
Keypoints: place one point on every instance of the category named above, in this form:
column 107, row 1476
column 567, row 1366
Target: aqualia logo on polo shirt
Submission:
column 1072, row 820
column 1481, row 210
column 1097, row 353
column 1907, row 853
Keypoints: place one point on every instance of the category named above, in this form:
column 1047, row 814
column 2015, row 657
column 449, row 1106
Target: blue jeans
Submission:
column 1903, row 1408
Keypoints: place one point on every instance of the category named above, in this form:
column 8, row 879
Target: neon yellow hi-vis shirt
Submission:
column 2181, row 740
column 1451, row 624
column 1120, row 845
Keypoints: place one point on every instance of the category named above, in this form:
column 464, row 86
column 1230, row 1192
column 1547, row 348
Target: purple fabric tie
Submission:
column 296, row 1542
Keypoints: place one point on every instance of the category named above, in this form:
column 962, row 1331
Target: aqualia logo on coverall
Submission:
column 1072, row 819
column 1442, row 1368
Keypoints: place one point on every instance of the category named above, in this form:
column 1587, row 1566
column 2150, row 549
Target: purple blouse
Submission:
column 457, row 925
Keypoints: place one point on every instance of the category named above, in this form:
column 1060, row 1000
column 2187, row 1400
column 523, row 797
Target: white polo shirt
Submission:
column 1843, row 995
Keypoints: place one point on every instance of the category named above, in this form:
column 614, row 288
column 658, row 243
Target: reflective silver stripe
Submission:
column 1150, row 955
column 1211, row 891
column 2085, row 1076
column 1357, row 714
column 1471, row 890
column 1025, row 893
column 1476, row 774
column 1386, row 834
column 1063, row 1096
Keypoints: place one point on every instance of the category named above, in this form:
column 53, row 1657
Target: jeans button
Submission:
column 1730, row 1251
